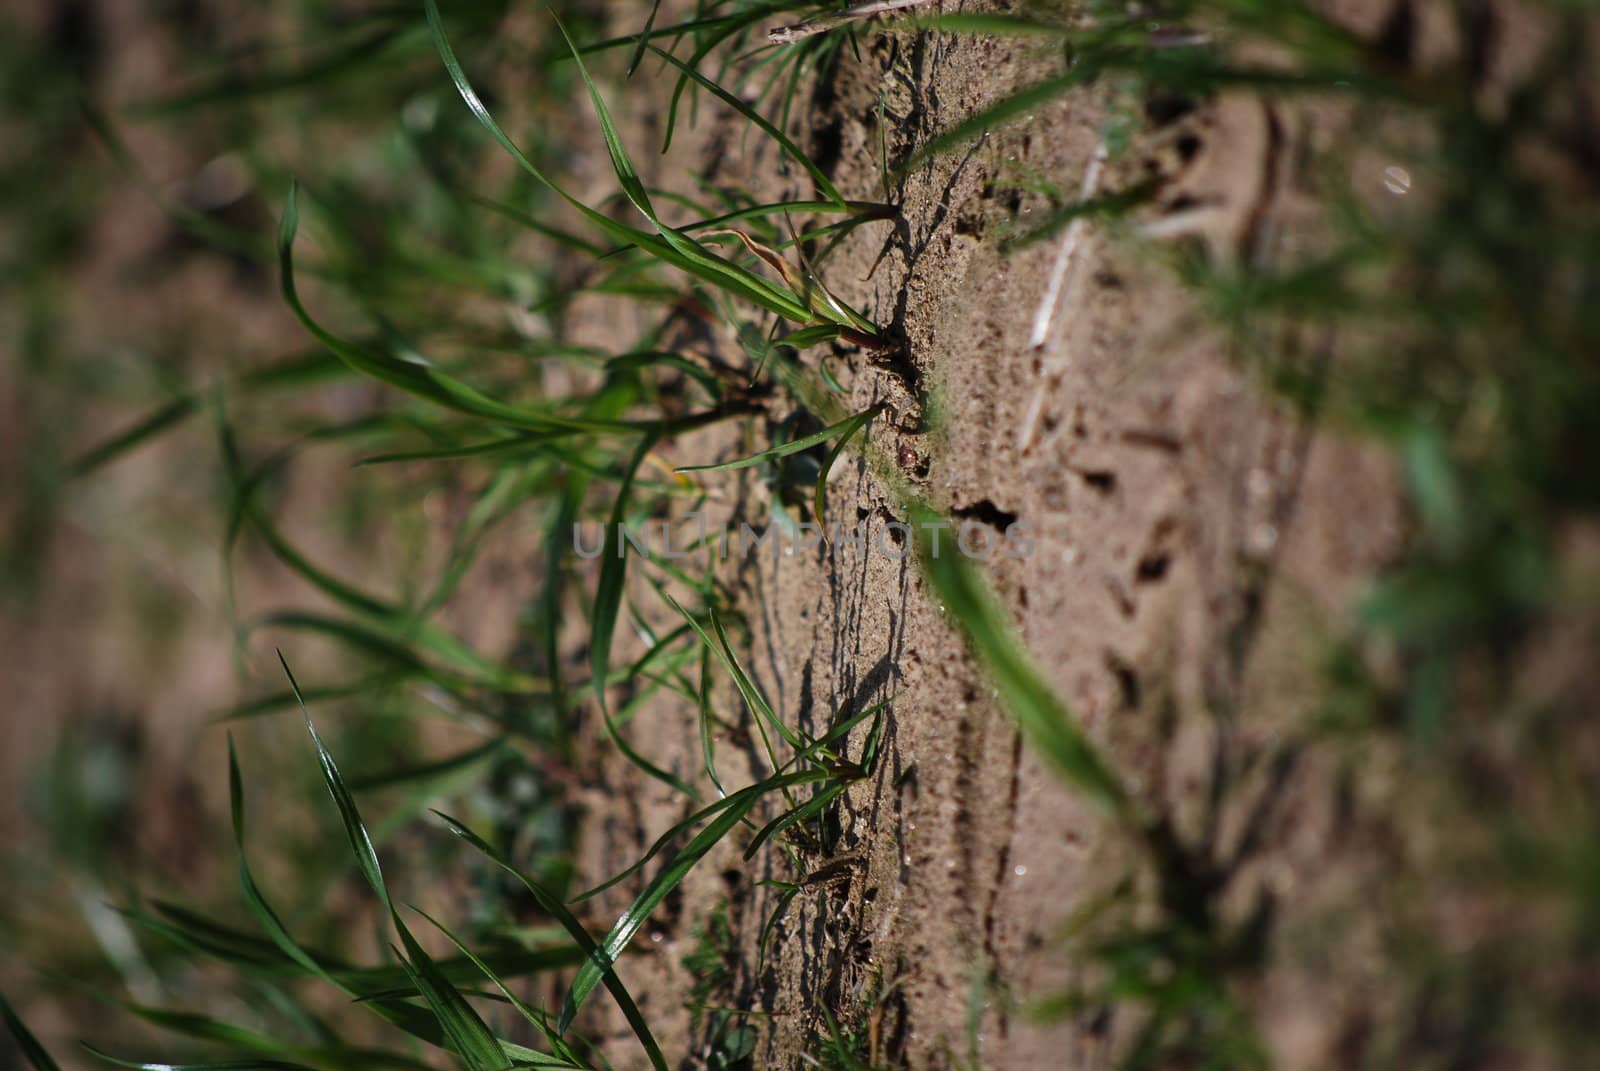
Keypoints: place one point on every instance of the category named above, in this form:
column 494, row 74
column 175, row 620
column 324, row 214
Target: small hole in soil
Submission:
column 1164, row 108
column 1153, row 567
column 1127, row 681
column 1188, row 147
column 988, row 513
column 1101, row 480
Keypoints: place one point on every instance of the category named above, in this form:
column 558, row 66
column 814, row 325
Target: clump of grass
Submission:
column 800, row 297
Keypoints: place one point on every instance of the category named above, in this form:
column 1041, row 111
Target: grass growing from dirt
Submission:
column 542, row 452
column 1480, row 380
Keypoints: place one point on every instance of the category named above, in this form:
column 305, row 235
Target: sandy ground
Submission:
column 1190, row 542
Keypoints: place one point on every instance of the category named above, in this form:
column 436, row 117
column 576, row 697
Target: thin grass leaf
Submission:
column 844, row 428
column 26, row 1042
column 613, row 573
column 555, row 234
column 293, row 373
column 429, row 771
column 824, row 185
column 196, row 933
column 563, row 1058
column 330, row 1056
column 257, row 903
column 1023, row 692
column 470, row 1037
column 593, row 954
column 746, row 685
column 775, row 783
column 693, row 26
column 197, row 223
column 1020, row 102
column 633, row 187
column 355, row 830
column 513, row 449
column 819, row 499
column 252, row 954
column 644, row 39
column 708, row 747
column 421, row 380
column 221, row 1065
column 994, row 25
column 602, row 626
column 807, row 810
column 592, row 971
column 674, row 250
column 166, row 416
column 785, row 898
column 205, row 1028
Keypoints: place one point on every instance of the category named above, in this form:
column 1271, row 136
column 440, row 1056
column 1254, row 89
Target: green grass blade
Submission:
column 708, row 747
column 621, row 162
column 592, row 952
column 349, row 814
column 785, row 898
column 797, row 814
column 222, row 1065
column 166, row 416
column 602, row 627
column 469, row 1035
column 288, row 374
column 428, row 771
column 644, row 38
column 420, row 380
column 254, row 899
column 776, row 783
column 1019, row 103
column 613, row 573
column 666, row 246
column 1048, row 725
column 564, row 1057
column 746, row 685
column 285, row 700
column 994, row 25
column 555, row 234
column 819, row 498
column 26, row 1042
column 824, row 185
column 592, row 971
column 844, row 428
